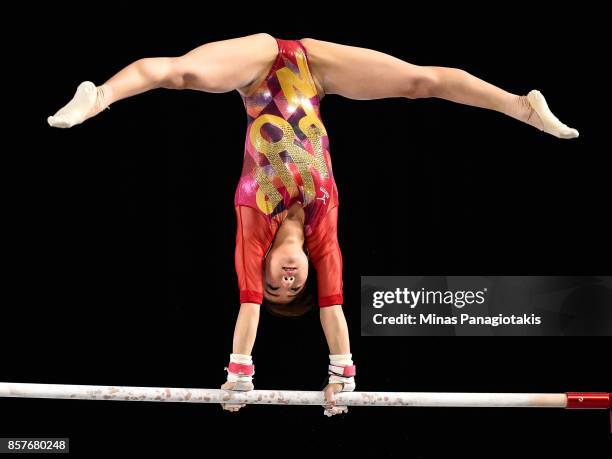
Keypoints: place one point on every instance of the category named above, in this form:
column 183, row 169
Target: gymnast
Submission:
column 286, row 201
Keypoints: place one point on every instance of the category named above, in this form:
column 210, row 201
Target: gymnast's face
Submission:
column 286, row 273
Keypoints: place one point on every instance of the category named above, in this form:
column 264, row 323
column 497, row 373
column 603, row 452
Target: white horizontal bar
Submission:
column 281, row 397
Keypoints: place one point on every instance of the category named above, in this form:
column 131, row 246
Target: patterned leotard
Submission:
column 287, row 161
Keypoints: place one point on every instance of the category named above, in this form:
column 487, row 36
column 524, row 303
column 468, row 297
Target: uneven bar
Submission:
column 281, row 397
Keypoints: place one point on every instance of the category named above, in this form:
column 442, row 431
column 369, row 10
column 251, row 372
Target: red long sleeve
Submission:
column 253, row 237
column 326, row 256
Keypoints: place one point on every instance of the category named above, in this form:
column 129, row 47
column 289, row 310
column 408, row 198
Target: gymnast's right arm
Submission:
column 253, row 236
column 215, row 67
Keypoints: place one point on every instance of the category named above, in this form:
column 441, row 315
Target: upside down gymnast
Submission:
column 286, row 201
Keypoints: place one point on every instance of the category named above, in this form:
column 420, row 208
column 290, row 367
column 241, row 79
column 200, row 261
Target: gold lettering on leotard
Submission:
column 267, row 197
column 314, row 136
column 298, row 89
column 272, row 150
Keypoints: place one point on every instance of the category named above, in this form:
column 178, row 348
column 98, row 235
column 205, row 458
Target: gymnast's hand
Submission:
column 341, row 373
column 330, row 400
column 232, row 386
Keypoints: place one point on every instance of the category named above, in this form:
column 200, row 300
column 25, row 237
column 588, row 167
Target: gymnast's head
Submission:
column 288, row 287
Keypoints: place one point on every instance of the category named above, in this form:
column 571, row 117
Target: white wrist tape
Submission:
column 337, row 362
column 341, row 359
column 240, row 359
column 231, row 377
column 348, row 384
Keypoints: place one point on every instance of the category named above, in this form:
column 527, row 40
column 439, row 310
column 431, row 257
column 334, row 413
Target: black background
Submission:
column 120, row 232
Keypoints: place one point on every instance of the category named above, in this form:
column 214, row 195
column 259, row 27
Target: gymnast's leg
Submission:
column 361, row 73
column 216, row 67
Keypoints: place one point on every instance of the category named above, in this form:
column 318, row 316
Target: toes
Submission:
column 58, row 122
column 573, row 134
column 568, row 133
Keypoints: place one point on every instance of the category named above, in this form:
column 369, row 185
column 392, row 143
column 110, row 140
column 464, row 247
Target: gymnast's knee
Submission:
column 423, row 85
column 184, row 73
column 175, row 75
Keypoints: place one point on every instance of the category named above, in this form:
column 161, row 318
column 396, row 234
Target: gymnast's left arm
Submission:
column 341, row 368
column 326, row 257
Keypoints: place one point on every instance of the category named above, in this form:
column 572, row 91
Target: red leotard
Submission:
column 286, row 161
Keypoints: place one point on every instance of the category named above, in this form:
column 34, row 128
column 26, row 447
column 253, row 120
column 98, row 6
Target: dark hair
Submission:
column 304, row 302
